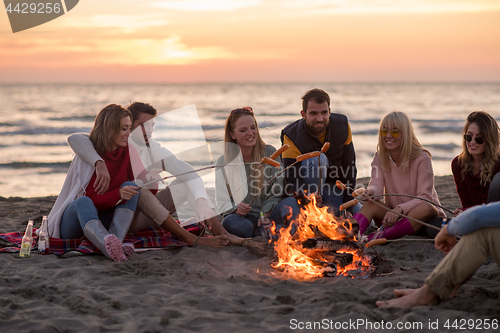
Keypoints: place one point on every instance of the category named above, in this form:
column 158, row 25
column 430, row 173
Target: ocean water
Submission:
column 36, row 119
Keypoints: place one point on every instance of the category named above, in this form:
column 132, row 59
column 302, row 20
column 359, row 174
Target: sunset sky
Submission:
column 258, row 41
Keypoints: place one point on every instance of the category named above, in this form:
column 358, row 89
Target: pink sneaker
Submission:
column 114, row 248
column 128, row 249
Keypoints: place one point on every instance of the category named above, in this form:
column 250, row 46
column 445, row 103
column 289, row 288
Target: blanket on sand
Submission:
column 148, row 237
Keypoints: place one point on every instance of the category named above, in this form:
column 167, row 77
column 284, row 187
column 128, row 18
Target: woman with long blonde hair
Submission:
column 401, row 166
column 473, row 169
column 242, row 138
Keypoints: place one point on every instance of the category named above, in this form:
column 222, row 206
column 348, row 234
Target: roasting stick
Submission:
column 343, row 186
column 324, row 149
column 172, row 176
column 414, row 197
column 381, row 241
column 358, row 192
column 146, row 140
column 353, row 202
column 266, row 160
column 299, row 158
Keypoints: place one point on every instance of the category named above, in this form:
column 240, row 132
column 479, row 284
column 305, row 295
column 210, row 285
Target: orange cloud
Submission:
column 262, row 41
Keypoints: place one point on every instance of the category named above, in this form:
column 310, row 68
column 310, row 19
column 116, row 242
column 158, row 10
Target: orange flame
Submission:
column 317, row 223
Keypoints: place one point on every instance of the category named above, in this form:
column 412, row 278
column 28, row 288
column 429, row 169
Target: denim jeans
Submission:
column 82, row 210
column 246, row 226
column 331, row 194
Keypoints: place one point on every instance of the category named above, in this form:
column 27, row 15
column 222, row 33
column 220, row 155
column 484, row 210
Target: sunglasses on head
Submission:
column 479, row 140
column 394, row 133
column 245, row 109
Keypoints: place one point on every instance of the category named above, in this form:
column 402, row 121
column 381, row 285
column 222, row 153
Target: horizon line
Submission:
column 253, row 82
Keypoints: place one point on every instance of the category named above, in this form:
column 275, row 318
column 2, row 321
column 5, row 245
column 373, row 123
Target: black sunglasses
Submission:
column 479, row 140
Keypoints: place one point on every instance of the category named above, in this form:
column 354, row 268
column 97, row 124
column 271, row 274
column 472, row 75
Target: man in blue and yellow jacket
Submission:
column 317, row 126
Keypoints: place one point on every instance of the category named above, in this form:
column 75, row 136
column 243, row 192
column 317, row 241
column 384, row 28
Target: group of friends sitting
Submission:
column 102, row 197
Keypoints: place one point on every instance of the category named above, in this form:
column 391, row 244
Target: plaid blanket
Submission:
column 148, row 237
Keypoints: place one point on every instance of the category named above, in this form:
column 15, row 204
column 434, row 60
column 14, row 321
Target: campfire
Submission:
column 323, row 245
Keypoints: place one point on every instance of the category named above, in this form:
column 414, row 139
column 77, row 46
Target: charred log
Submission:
column 328, row 269
column 316, row 231
column 345, row 228
column 327, row 244
column 340, row 259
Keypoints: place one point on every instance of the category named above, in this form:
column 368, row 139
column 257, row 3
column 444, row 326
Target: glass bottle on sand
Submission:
column 27, row 241
column 43, row 237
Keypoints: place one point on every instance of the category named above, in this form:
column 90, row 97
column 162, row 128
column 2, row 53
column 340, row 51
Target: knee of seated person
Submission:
column 356, row 208
column 313, row 162
column 433, row 210
column 427, row 209
column 323, row 160
column 496, row 180
column 290, row 202
column 84, row 201
column 494, row 190
column 135, row 199
column 128, row 183
column 85, row 204
column 239, row 227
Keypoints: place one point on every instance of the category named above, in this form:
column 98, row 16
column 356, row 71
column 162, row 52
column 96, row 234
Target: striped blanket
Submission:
column 149, row 237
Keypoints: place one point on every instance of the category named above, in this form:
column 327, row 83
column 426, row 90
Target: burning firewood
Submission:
column 339, row 259
column 327, row 269
column 324, row 243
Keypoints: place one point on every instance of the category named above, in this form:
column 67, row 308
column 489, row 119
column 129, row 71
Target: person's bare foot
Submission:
column 215, row 241
column 403, row 292
column 419, row 297
column 217, row 229
column 455, row 289
column 236, row 240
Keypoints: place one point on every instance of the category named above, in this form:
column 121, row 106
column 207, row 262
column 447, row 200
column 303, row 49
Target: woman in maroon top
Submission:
column 479, row 160
column 95, row 216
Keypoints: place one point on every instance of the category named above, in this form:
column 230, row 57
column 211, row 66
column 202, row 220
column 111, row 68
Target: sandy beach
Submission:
column 202, row 289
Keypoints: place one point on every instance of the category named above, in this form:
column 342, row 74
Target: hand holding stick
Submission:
column 172, row 176
column 343, row 186
column 266, row 160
